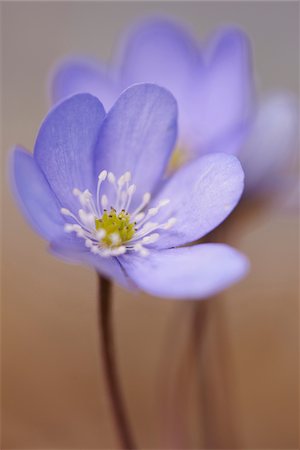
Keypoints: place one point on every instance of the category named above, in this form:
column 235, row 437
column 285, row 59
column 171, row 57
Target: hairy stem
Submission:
column 108, row 355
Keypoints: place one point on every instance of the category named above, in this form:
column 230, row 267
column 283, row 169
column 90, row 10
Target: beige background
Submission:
column 52, row 390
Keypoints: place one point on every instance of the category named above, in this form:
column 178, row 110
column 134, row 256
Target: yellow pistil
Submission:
column 118, row 228
column 178, row 158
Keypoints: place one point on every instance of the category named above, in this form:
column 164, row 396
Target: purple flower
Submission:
column 94, row 189
column 212, row 85
column 270, row 153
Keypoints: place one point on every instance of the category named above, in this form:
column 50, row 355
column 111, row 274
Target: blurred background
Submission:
column 53, row 394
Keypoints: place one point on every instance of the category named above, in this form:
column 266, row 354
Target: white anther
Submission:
column 102, row 175
column 87, row 194
column 82, row 215
column 85, row 197
column 162, row 203
column 76, row 192
column 104, row 201
column 139, row 217
column 152, row 211
column 169, row 224
column 69, row 227
column 123, row 198
column 80, row 232
column 88, row 243
column 131, row 190
column 142, row 251
column 127, row 176
column 100, row 234
column 104, row 252
column 111, row 178
column 150, row 239
column 118, row 251
column 146, row 197
column 148, row 226
column 114, row 238
column 95, row 250
column 87, row 219
column 65, row 212
column 121, row 181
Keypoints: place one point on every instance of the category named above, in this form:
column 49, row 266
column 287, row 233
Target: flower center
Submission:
column 117, row 227
column 178, row 158
column 115, row 231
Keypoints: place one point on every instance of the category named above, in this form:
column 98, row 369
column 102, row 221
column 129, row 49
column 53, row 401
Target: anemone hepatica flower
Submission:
column 212, row 85
column 93, row 188
column 270, row 152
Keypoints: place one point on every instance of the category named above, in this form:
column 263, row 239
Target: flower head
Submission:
column 94, row 188
column 212, row 83
column 269, row 156
column 116, row 231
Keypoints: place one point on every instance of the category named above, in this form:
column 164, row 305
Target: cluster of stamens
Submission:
column 114, row 231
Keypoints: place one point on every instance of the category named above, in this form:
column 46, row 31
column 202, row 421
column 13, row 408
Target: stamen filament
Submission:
column 111, row 233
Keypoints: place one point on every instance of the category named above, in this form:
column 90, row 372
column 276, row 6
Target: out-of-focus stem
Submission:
column 215, row 375
column 109, row 364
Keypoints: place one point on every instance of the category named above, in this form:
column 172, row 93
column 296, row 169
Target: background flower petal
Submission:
column 201, row 195
column 273, row 145
column 159, row 51
column 34, row 195
column 82, row 75
column 65, row 146
column 222, row 96
column 138, row 134
column 187, row 273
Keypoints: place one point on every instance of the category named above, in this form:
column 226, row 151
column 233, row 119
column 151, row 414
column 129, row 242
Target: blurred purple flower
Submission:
column 215, row 92
column 86, row 161
column 213, row 85
column 269, row 156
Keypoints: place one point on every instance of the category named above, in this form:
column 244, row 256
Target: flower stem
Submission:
column 113, row 385
column 215, row 370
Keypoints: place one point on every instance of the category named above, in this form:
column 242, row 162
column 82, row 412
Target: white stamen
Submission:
column 111, row 178
column 88, row 243
column 115, row 238
column 121, row 181
column 102, row 175
column 142, row 250
column 164, row 202
column 153, row 212
column 100, row 234
column 170, row 223
column 139, row 217
column 89, row 217
column 118, row 251
column 150, row 239
column 76, row 192
column 65, row 212
column 131, row 190
column 104, row 201
column 80, row 233
column 146, row 197
column 68, row 227
column 129, row 193
column 145, row 201
column 127, row 176
column 85, row 198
